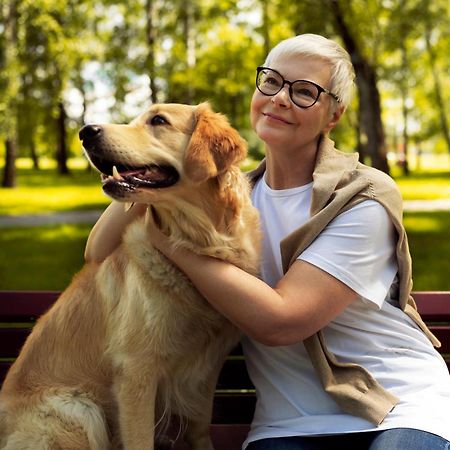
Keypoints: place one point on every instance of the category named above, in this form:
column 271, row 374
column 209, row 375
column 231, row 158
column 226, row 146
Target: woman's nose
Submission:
column 282, row 98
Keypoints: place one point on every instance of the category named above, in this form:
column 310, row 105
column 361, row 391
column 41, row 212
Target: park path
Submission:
column 90, row 217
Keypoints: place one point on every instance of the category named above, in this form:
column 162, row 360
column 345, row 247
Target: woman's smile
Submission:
column 273, row 118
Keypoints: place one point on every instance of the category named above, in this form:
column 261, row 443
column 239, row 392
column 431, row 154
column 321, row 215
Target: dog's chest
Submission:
column 156, row 311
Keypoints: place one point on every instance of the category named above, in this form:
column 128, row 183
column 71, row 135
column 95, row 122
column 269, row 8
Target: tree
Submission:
column 10, row 88
column 153, row 51
column 428, row 28
column 151, row 44
column 366, row 81
column 397, row 68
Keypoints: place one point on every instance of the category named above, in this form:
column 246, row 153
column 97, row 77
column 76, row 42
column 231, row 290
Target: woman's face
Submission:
column 279, row 122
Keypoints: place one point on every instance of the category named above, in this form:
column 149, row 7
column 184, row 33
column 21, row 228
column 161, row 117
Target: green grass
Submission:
column 428, row 235
column 425, row 186
column 41, row 258
column 46, row 191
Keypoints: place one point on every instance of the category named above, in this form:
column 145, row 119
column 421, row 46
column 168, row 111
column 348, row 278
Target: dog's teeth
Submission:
column 116, row 174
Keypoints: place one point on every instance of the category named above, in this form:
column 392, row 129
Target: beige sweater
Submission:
column 340, row 182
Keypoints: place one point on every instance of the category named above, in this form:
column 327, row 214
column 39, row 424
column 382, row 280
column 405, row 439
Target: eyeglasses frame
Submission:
column 290, row 83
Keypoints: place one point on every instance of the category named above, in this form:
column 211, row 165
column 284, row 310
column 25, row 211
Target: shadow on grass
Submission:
column 44, row 258
column 429, row 242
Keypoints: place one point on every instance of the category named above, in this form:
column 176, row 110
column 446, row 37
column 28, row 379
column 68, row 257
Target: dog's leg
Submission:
column 136, row 401
column 197, row 432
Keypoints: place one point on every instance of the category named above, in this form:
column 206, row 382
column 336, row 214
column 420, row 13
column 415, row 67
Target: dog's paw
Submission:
column 164, row 443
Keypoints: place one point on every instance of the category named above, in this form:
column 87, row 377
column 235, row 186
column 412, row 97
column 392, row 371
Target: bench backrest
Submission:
column 234, row 400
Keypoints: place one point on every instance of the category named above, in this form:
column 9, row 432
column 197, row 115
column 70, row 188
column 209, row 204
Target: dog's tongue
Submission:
column 152, row 173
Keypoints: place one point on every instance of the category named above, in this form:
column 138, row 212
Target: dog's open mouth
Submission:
column 123, row 177
column 152, row 176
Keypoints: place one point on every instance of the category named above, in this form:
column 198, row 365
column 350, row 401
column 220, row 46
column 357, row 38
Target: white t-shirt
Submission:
column 357, row 248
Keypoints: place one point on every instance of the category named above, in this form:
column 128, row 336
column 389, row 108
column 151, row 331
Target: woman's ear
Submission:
column 214, row 145
column 334, row 118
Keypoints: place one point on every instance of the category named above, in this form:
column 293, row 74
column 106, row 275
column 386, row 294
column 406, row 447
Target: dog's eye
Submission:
column 158, row 120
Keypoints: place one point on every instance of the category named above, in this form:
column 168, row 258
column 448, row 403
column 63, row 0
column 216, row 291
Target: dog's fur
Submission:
column 131, row 341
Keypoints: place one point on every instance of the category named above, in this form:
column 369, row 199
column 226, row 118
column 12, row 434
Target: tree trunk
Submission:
column 9, row 13
column 62, row 151
column 151, row 52
column 33, row 153
column 405, row 112
column 9, row 171
column 369, row 97
column 189, row 43
column 360, row 146
column 437, row 86
column 265, row 27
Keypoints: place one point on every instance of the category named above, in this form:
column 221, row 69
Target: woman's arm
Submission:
column 303, row 302
column 106, row 235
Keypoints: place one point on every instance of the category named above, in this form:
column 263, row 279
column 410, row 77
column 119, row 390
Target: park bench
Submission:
column 235, row 399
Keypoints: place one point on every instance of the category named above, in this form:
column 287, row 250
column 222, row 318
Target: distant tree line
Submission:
column 201, row 50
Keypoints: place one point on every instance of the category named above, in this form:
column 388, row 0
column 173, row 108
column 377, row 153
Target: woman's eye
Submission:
column 158, row 120
column 304, row 92
column 271, row 80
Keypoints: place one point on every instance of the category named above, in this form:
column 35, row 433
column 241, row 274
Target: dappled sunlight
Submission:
column 425, row 186
column 50, row 199
column 427, row 222
column 63, row 233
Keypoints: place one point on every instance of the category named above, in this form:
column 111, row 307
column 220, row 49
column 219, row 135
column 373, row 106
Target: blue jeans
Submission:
column 395, row 439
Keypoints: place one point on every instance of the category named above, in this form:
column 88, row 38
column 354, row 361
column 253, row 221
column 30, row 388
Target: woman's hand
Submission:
column 106, row 235
column 158, row 239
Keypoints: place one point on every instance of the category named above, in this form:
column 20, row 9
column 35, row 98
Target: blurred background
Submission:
column 64, row 63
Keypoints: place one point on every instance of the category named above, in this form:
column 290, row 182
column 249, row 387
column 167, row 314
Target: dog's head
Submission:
column 164, row 148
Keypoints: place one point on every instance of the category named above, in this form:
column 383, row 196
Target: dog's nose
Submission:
column 89, row 132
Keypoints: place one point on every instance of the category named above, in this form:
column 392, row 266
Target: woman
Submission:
column 336, row 350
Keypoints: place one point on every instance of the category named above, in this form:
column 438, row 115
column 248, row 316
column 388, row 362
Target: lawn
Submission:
column 425, row 186
column 44, row 191
column 47, row 257
column 41, row 257
column 428, row 234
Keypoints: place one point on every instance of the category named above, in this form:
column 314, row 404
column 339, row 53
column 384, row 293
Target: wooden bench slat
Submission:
column 24, row 306
column 234, row 375
column 4, row 367
column 12, row 340
column 434, row 306
column 442, row 332
column 233, row 408
column 224, row 437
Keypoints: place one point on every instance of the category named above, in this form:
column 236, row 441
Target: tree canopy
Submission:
column 65, row 62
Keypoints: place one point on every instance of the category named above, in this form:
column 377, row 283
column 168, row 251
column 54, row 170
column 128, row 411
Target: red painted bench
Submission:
column 234, row 400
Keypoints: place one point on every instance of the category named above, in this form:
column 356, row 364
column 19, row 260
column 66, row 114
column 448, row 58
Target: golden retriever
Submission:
column 131, row 341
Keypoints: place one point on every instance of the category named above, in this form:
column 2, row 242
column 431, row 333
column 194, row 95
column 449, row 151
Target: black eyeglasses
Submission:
column 303, row 93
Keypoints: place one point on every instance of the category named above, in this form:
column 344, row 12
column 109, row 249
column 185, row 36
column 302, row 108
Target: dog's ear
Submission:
column 214, row 145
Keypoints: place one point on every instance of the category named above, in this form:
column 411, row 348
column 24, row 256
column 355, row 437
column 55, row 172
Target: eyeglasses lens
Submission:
column 302, row 93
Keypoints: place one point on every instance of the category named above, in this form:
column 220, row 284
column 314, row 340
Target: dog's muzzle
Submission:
column 118, row 177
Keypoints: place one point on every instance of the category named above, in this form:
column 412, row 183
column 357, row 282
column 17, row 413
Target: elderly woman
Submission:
column 334, row 345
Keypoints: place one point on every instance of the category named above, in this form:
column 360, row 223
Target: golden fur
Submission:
column 131, row 341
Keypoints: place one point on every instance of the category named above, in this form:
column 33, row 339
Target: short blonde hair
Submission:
column 314, row 45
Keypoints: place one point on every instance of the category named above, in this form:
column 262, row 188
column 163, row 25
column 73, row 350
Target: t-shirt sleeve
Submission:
column 358, row 248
